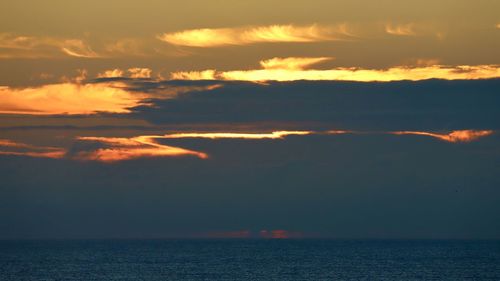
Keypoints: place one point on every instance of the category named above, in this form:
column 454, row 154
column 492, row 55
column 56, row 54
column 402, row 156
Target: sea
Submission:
column 249, row 259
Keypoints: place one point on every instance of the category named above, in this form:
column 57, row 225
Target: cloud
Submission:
column 111, row 73
column 208, row 37
column 138, row 72
column 10, row 41
column 230, row 135
column 455, row 136
column 127, row 47
column 68, row 98
column 291, row 69
column 135, row 72
column 9, row 147
column 209, row 74
column 77, row 96
column 77, row 48
column 120, row 149
column 116, row 149
column 37, row 47
column 292, row 63
column 401, row 29
column 428, row 105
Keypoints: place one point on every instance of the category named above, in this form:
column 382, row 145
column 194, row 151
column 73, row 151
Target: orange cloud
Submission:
column 76, row 97
column 454, row 136
column 208, row 37
column 121, row 149
column 67, row 98
column 272, row 135
column 9, row 147
column 291, row 69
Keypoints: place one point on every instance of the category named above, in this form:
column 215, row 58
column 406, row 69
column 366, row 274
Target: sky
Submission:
column 250, row 119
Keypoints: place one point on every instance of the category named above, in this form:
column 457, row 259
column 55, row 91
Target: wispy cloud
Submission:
column 292, row 63
column 77, row 48
column 34, row 47
column 116, row 149
column 9, row 147
column 401, row 29
column 120, row 149
column 127, row 47
column 290, row 69
column 454, row 136
column 208, row 37
column 229, row 135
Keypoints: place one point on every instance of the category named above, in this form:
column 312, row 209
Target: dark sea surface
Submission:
column 249, row 260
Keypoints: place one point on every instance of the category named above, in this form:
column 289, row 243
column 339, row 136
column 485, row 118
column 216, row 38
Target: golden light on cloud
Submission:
column 111, row 73
column 67, row 98
column 401, row 29
column 272, row 135
column 134, row 72
column 207, row 37
column 292, row 63
column 75, row 97
column 291, row 70
column 138, row 72
column 209, row 74
column 454, row 136
column 120, row 149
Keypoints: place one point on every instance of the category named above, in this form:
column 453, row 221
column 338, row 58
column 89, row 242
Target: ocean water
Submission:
column 249, row 260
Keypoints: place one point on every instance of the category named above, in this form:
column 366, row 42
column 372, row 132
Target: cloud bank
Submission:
column 292, row 69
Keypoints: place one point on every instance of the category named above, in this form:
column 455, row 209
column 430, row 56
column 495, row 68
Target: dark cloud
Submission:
column 369, row 184
column 377, row 186
column 404, row 105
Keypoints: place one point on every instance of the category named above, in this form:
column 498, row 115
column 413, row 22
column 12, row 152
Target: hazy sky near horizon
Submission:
column 344, row 119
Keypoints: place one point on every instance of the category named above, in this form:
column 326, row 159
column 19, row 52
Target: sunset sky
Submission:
column 261, row 119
